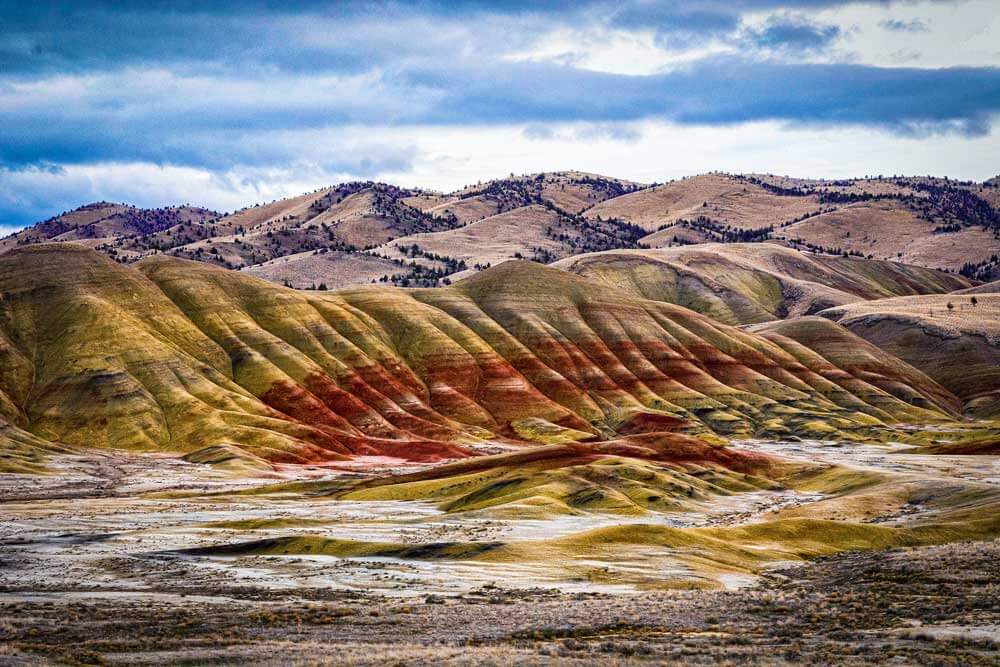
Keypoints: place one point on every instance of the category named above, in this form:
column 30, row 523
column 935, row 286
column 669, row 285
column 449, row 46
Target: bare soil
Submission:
column 90, row 574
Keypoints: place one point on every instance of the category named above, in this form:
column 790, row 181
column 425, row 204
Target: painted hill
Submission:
column 745, row 283
column 957, row 346
column 364, row 232
column 178, row 355
column 665, row 472
column 859, row 358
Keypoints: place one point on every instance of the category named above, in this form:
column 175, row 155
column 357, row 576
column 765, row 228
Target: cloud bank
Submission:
column 258, row 98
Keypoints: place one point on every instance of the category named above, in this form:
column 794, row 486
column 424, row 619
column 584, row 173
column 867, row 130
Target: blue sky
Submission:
column 230, row 103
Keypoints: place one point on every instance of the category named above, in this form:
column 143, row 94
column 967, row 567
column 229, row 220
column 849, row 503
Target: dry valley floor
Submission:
column 145, row 559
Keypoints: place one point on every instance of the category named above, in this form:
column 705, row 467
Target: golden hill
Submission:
column 723, row 198
column 332, row 269
column 928, row 222
column 347, row 218
column 889, row 229
column 492, row 240
column 179, row 355
column 745, row 283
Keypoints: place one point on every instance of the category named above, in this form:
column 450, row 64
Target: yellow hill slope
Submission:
column 745, row 283
column 180, row 355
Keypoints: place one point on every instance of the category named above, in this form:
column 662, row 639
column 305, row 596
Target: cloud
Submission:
column 347, row 36
column 609, row 132
column 539, row 133
column 897, row 25
column 253, row 94
column 719, row 91
column 793, row 33
column 218, row 122
column 584, row 132
column 676, row 26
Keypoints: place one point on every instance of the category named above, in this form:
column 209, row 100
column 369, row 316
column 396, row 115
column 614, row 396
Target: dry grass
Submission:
column 492, row 240
column 888, row 230
column 334, row 269
column 728, row 201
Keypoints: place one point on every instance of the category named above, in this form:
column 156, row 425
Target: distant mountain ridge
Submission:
column 364, row 232
column 100, row 222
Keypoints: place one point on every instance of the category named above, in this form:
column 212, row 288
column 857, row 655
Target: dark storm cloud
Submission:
column 724, row 91
column 84, row 35
column 177, row 120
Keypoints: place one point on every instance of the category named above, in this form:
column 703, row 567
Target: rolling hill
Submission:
column 937, row 223
column 746, row 283
column 103, row 222
column 175, row 355
column 363, row 232
column 723, row 198
column 954, row 339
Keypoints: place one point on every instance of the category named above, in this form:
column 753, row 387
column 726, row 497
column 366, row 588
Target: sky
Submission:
column 225, row 104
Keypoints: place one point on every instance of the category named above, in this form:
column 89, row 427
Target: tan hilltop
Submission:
column 364, row 232
column 103, row 222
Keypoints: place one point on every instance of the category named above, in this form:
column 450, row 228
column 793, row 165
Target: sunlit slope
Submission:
column 96, row 354
column 179, row 355
column 745, row 283
column 730, row 200
column 954, row 339
column 892, row 229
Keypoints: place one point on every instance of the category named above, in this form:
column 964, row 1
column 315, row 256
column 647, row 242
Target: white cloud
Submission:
column 953, row 34
column 446, row 158
column 615, row 51
column 956, row 34
column 451, row 157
